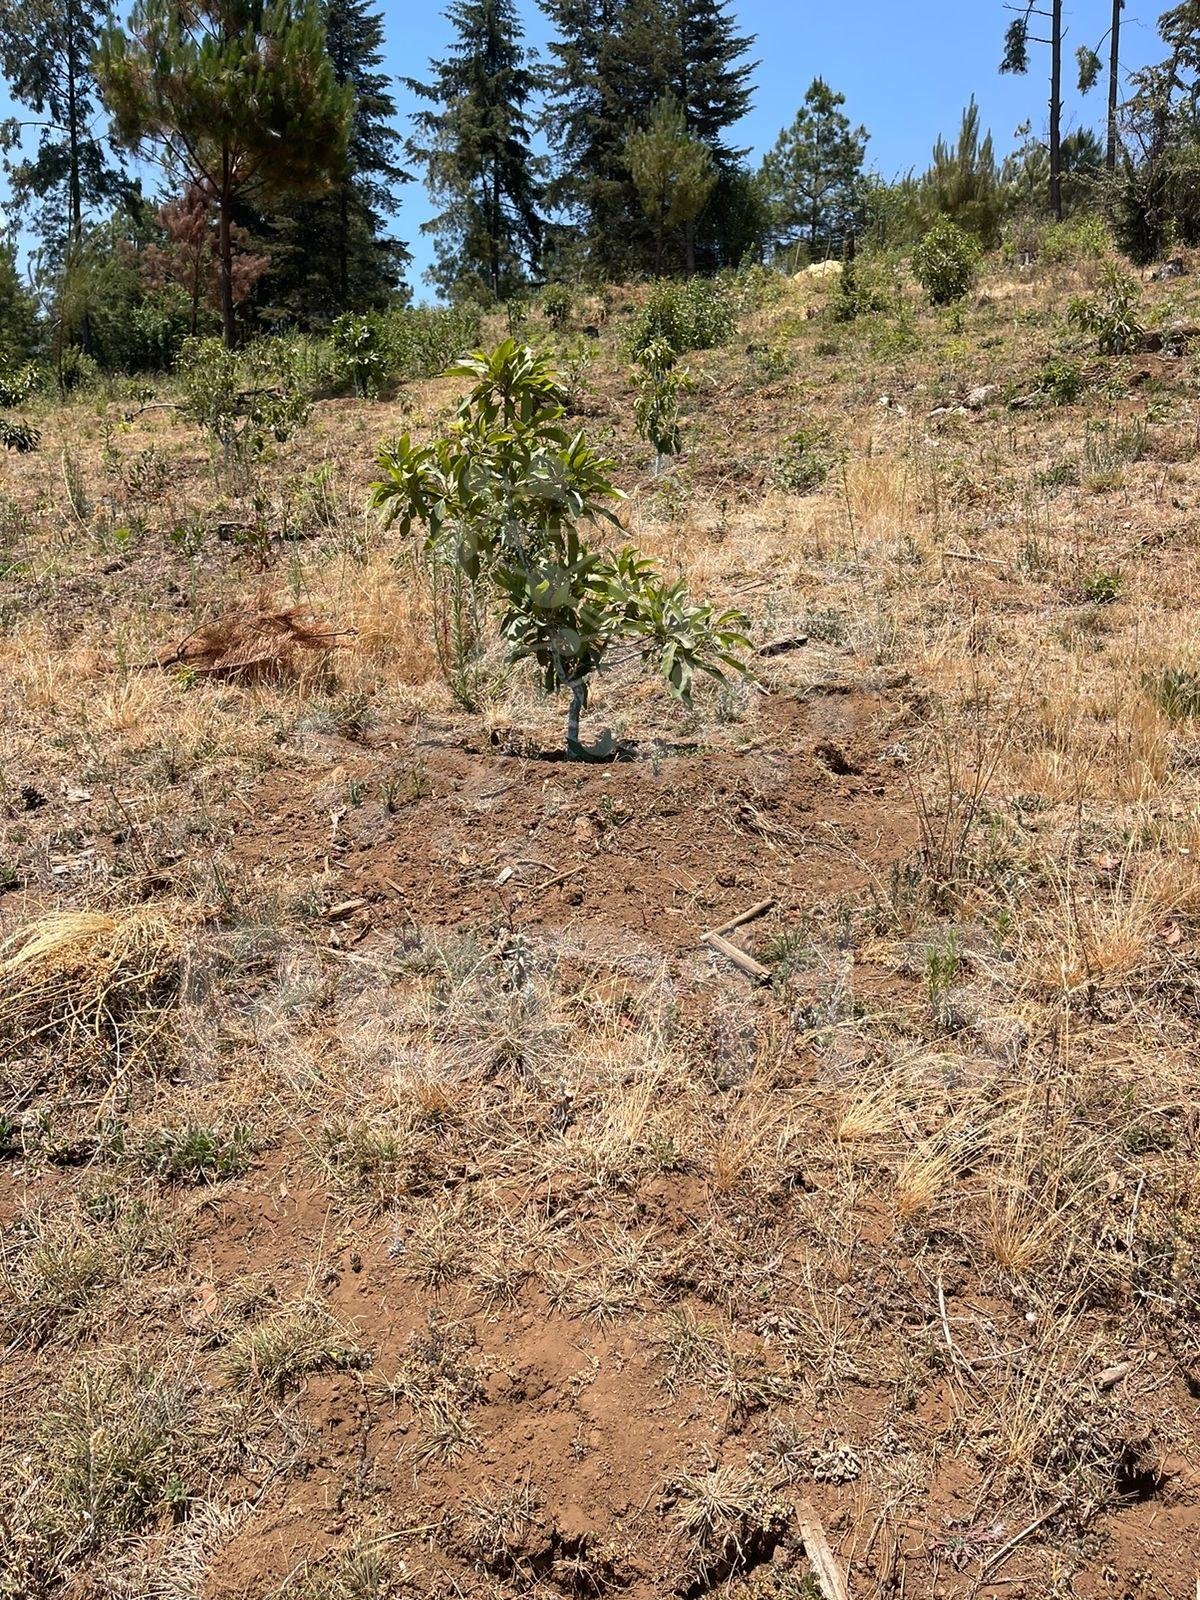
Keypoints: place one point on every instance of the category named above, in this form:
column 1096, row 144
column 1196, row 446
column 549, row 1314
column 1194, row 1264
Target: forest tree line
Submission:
column 236, row 166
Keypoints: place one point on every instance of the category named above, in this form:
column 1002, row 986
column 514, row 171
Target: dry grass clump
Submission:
column 92, row 990
column 113, row 1451
column 288, row 1343
column 60, row 1265
column 260, row 640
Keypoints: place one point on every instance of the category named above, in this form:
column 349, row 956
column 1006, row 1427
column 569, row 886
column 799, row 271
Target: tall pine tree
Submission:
column 475, row 144
column 236, row 97
column 333, row 254
column 46, row 50
column 812, row 175
column 618, row 60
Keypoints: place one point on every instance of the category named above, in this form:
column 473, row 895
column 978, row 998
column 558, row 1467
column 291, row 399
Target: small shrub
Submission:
column 659, row 383
column 868, row 286
column 1102, row 588
column 16, row 385
column 1061, row 381
column 684, row 316
column 358, row 343
column 513, row 524
column 1111, row 317
column 1083, row 238
column 556, row 304
column 946, row 262
column 802, row 465
column 241, row 398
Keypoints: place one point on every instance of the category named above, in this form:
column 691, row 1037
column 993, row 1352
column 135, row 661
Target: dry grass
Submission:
column 633, row 1252
column 90, row 989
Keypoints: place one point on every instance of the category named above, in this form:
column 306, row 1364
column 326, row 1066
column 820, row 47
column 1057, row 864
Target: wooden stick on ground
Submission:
column 758, row 910
column 743, row 962
column 827, row 1572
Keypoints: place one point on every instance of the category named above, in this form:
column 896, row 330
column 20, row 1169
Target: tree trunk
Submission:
column 1056, row 32
column 74, row 184
column 573, row 712
column 225, row 250
column 344, row 247
column 494, row 228
column 1114, row 84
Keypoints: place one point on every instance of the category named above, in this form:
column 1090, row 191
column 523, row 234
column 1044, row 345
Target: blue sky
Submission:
column 906, row 72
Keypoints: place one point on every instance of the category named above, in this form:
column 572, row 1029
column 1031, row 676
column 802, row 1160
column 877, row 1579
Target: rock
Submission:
column 978, row 398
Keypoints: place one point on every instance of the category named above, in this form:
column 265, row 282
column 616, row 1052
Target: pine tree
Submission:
column 18, row 321
column 476, row 150
column 672, row 172
column 965, row 183
column 235, row 96
column 812, row 175
column 587, row 121
column 46, row 49
column 332, row 254
column 617, row 60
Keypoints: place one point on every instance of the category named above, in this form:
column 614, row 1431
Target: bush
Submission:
column 1083, row 238
column 946, row 262
column 684, row 316
column 556, row 304
column 1111, row 317
column 868, row 286
column 803, row 463
column 16, row 385
column 360, row 349
column 1061, row 381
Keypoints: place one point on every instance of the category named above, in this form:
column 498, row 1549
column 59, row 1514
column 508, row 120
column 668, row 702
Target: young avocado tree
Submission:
column 504, row 496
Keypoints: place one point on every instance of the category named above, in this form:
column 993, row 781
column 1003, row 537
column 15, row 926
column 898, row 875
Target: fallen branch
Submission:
column 827, row 1572
column 1005, row 1550
column 758, row 910
column 743, row 962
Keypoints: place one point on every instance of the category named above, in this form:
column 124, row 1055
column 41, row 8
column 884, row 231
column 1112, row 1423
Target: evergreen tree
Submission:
column 617, row 60
column 46, row 50
column 587, row 123
column 812, row 176
column 332, row 254
column 18, row 321
column 965, row 183
column 672, row 172
column 237, row 97
column 475, row 147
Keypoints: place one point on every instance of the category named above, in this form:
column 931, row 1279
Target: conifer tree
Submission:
column 237, row 97
column 672, row 172
column 812, row 175
column 332, row 254
column 46, row 49
column 617, row 60
column 475, row 144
